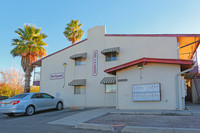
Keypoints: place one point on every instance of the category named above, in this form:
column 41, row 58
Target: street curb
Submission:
column 95, row 127
column 156, row 113
column 137, row 129
column 137, row 113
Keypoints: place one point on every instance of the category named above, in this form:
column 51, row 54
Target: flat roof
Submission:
column 145, row 60
column 154, row 35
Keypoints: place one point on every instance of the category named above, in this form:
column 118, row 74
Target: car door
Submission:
column 49, row 101
column 38, row 101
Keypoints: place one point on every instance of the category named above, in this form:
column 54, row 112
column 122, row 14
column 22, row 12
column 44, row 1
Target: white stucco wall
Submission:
column 131, row 48
column 151, row 73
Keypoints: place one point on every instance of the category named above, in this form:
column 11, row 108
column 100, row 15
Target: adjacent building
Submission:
column 126, row 71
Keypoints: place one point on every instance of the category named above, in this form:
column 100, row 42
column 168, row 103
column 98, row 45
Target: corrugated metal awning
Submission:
column 81, row 55
column 108, row 80
column 77, row 82
column 109, row 50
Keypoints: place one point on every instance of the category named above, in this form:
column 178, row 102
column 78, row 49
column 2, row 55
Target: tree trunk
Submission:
column 28, row 68
column 73, row 39
column 27, row 81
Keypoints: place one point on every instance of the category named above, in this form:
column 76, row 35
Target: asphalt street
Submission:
column 38, row 123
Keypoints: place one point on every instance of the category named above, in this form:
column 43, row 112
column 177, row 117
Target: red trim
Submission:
column 153, row 35
column 149, row 60
column 58, row 51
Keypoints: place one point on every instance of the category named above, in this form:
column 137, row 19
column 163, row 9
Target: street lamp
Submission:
column 65, row 65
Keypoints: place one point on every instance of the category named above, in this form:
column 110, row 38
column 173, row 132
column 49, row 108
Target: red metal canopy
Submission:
column 148, row 60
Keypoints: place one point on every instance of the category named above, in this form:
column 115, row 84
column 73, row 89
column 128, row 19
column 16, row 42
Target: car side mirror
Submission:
column 52, row 97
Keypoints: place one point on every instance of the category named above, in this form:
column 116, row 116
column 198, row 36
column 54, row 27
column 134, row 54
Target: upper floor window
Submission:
column 111, row 56
column 80, row 61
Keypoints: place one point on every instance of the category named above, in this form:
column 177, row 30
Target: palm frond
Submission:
column 28, row 42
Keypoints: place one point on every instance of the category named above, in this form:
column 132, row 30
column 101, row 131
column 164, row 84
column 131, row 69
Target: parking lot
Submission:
column 38, row 123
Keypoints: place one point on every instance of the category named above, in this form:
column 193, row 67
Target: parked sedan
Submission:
column 3, row 97
column 29, row 103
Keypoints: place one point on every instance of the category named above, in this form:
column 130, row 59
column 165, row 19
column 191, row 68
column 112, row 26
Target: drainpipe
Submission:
column 177, row 85
column 178, row 49
column 117, row 93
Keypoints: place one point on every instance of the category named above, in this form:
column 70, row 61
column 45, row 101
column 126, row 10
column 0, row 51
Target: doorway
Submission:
column 188, row 98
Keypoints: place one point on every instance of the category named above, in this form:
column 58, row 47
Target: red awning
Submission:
column 149, row 60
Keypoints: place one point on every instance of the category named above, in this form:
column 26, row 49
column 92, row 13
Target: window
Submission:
column 79, row 89
column 46, row 96
column 110, row 88
column 37, row 96
column 20, row 96
column 80, row 61
column 111, row 56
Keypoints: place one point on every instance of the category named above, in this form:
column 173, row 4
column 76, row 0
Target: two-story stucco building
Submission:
column 139, row 71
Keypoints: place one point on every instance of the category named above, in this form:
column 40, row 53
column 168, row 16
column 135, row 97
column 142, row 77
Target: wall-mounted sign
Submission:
column 36, row 83
column 95, row 63
column 122, row 80
column 146, row 92
column 55, row 76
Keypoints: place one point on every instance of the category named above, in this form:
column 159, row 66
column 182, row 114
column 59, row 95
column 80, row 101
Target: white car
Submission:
column 29, row 103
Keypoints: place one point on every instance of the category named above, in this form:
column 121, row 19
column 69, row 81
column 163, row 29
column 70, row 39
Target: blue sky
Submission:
column 119, row 16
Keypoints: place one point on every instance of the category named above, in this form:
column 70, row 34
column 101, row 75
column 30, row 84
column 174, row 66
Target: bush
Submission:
column 5, row 90
column 34, row 89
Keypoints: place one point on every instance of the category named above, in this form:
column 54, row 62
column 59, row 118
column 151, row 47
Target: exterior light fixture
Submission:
column 64, row 64
column 140, row 66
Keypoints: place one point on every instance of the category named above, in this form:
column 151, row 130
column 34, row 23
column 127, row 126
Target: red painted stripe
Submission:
column 153, row 35
column 58, row 51
column 149, row 60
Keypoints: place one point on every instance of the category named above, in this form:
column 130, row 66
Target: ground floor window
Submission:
column 110, row 88
column 79, row 89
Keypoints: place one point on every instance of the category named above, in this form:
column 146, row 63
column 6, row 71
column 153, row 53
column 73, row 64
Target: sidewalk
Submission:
column 73, row 120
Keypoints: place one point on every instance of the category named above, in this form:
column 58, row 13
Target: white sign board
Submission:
column 146, row 92
column 55, row 76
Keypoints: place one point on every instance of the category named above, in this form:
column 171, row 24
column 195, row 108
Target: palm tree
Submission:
column 29, row 46
column 73, row 32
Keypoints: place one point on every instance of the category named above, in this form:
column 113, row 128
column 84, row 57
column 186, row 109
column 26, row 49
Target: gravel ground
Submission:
column 119, row 121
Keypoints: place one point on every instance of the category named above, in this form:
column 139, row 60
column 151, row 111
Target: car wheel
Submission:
column 30, row 110
column 59, row 106
column 10, row 114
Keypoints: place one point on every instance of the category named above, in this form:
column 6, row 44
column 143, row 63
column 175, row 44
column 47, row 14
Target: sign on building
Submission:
column 55, row 76
column 146, row 92
column 95, row 63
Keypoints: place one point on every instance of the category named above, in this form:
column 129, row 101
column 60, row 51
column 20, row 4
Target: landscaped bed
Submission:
column 119, row 121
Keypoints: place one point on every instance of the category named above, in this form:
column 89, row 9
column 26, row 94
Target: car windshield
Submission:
column 20, row 96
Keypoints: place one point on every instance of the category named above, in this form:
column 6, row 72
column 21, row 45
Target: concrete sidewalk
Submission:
column 192, row 109
column 81, row 117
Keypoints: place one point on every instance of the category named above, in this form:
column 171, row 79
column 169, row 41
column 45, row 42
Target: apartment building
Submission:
column 126, row 71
